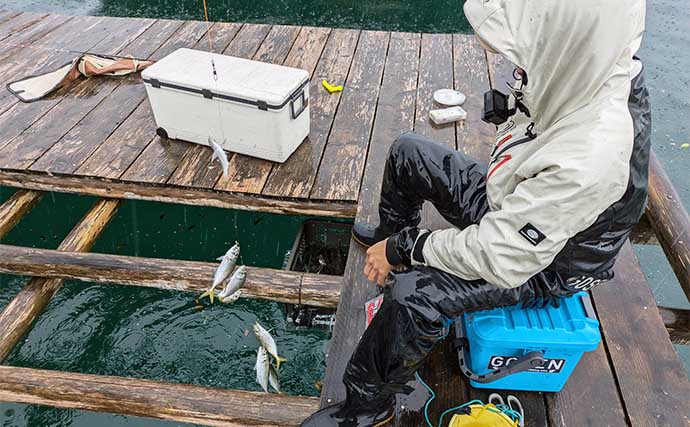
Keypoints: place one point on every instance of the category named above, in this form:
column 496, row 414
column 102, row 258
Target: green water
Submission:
column 151, row 333
column 154, row 334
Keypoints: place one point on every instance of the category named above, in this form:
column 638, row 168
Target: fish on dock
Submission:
column 267, row 342
column 219, row 153
column 227, row 264
column 263, row 366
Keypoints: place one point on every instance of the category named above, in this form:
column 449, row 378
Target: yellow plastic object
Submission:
column 482, row 416
column 330, row 88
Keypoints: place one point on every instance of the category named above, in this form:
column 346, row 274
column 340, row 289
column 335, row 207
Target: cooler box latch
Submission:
column 528, row 361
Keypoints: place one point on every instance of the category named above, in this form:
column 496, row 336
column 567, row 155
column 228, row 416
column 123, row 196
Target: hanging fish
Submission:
column 273, row 378
column 232, row 291
column 267, row 341
column 219, row 153
column 227, row 264
column 262, row 368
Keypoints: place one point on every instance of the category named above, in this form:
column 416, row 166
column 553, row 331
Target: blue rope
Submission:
column 428, row 402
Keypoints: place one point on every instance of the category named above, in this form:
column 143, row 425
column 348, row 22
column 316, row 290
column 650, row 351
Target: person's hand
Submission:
column 377, row 267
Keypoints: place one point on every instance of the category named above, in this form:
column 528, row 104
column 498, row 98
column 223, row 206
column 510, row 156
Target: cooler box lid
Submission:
column 572, row 326
column 240, row 80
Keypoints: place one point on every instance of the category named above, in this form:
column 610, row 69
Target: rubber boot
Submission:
column 352, row 414
column 369, row 234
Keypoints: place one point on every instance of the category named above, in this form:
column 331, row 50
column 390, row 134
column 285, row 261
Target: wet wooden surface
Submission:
column 97, row 137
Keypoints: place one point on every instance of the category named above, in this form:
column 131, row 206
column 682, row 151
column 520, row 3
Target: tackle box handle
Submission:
column 532, row 359
column 293, row 98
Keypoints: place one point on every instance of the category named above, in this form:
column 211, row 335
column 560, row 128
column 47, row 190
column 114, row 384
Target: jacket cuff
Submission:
column 418, row 248
column 400, row 246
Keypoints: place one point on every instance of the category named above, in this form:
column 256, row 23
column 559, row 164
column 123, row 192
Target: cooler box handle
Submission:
column 532, row 359
column 303, row 104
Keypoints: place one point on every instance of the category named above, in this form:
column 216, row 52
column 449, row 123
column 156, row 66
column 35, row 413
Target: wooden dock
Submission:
column 98, row 137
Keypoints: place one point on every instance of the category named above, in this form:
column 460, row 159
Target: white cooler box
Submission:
column 252, row 108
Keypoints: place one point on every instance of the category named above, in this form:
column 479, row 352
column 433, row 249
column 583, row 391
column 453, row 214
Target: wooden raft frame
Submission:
column 98, row 145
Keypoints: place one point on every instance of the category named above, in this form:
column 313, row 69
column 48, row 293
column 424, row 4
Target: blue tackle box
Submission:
column 533, row 349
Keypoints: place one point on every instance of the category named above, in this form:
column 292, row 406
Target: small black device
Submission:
column 496, row 107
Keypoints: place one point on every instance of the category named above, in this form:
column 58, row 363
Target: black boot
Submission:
column 369, row 234
column 352, row 414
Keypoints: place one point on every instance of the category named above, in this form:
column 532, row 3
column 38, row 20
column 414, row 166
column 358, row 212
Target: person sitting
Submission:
column 545, row 218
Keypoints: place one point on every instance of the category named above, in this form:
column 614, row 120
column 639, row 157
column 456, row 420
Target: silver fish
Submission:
column 227, row 264
column 267, row 341
column 232, row 298
column 262, row 368
column 235, row 283
column 273, row 378
column 219, row 153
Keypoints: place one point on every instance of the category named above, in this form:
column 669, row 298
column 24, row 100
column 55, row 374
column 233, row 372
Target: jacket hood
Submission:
column 574, row 52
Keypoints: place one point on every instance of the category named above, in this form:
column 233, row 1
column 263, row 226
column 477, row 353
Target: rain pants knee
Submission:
column 549, row 212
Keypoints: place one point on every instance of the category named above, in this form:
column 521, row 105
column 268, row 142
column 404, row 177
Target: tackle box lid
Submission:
column 238, row 79
column 572, row 326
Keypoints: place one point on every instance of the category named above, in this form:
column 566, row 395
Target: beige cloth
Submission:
column 33, row 88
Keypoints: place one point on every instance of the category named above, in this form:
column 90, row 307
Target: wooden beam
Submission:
column 670, row 221
column 651, row 378
column 174, row 194
column 18, row 316
column 677, row 322
column 153, row 399
column 14, row 209
column 189, row 276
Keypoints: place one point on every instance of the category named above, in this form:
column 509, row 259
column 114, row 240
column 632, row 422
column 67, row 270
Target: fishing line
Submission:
column 214, row 71
column 57, row 49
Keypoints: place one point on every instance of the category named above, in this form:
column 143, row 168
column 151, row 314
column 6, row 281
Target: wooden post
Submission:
column 154, row 399
column 14, row 209
column 18, row 316
column 670, row 222
column 318, row 290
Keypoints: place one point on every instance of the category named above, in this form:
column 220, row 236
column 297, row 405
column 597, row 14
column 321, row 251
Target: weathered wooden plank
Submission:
column 652, row 381
column 18, row 316
column 188, row 276
column 19, row 23
column 17, row 116
column 677, row 322
column 248, row 174
column 26, row 38
column 6, row 15
column 295, row 177
column 589, row 398
column 435, row 72
column 121, row 148
column 14, row 209
column 172, row 194
column 474, row 136
column 340, row 174
column 31, row 144
column 670, row 222
column 153, row 399
column 82, row 140
column 395, row 114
